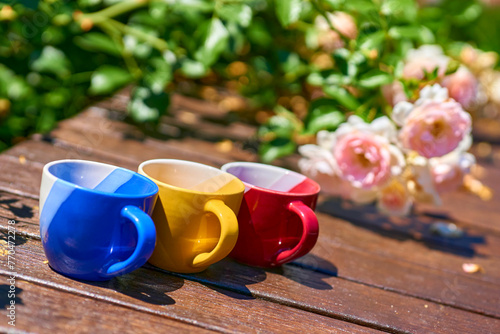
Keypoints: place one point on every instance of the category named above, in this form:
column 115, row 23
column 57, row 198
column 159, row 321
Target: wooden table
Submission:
column 367, row 273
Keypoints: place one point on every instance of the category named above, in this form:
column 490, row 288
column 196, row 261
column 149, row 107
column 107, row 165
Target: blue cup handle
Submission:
column 146, row 240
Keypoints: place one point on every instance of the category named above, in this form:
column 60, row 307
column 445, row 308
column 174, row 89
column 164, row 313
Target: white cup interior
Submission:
column 186, row 174
column 265, row 176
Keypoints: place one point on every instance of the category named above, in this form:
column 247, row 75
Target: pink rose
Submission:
column 330, row 40
column 394, row 93
column 462, row 86
column 344, row 24
column 435, row 128
column 394, row 199
column 426, row 58
column 363, row 159
column 447, row 178
column 448, row 172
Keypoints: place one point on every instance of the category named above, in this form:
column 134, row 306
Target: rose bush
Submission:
column 349, row 72
column 417, row 156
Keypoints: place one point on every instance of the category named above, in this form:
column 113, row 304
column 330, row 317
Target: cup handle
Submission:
column 146, row 240
column 309, row 237
column 228, row 234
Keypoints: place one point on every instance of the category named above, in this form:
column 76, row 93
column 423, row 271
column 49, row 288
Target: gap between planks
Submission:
column 465, row 301
column 192, row 303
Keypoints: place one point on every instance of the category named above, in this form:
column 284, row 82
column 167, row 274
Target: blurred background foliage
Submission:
column 58, row 56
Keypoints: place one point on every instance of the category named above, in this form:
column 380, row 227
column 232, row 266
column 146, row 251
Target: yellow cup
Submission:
column 195, row 214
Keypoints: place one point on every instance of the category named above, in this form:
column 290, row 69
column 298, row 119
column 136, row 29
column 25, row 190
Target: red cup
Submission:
column 276, row 220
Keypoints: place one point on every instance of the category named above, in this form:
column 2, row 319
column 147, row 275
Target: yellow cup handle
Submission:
column 228, row 234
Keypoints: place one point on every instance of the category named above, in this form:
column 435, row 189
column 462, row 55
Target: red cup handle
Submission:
column 309, row 233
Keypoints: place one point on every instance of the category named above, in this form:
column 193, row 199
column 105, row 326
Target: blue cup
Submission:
column 95, row 219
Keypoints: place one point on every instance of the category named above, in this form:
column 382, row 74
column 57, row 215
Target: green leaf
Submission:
column 400, row 9
column 13, row 86
column 215, row 41
column 51, row 60
column 471, row 13
column 106, row 79
column 323, row 115
column 57, row 98
column 284, row 124
column 374, row 41
column 288, row 11
column 349, row 63
column 335, row 4
column 326, row 121
column 146, row 105
column 31, row 4
column 258, row 34
column 158, row 74
column 192, row 5
column 360, row 6
column 239, row 13
column 277, row 126
column 375, row 78
column 46, row 121
column 341, row 57
column 315, row 79
column 139, row 48
column 193, row 69
column 335, row 78
column 342, row 96
column 279, row 147
column 98, row 42
column 418, row 33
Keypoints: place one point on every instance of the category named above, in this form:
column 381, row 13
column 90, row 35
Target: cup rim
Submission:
column 54, row 178
column 272, row 191
column 186, row 162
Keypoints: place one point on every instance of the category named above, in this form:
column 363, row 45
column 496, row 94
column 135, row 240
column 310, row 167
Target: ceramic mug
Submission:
column 94, row 220
column 276, row 219
column 195, row 215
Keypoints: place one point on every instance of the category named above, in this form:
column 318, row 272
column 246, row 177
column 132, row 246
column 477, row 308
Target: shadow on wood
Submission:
column 5, row 292
column 17, row 209
column 417, row 227
column 143, row 284
column 5, row 237
column 231, row 275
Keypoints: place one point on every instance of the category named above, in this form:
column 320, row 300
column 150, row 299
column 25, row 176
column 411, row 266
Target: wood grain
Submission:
column 456, row 289
column 41, row 309
column 151, row 292
column 91, row 129
column 329, row 295
column 478, row 300
column 109, row 136
column 366, row 271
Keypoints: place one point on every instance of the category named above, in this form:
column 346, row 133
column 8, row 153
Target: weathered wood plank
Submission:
column 210, row 153
column 348, row 235
column 456, row 289
column 151, row 292
column 41, row 309
column 179, row 103
column 20, row 178
column 474, row 241
column 415, row 236
column 476, row 302
column 142, row 149
column 42, row 152
column 419, row 227
column 486, row 129
column 23, row 210
column 329, row 295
